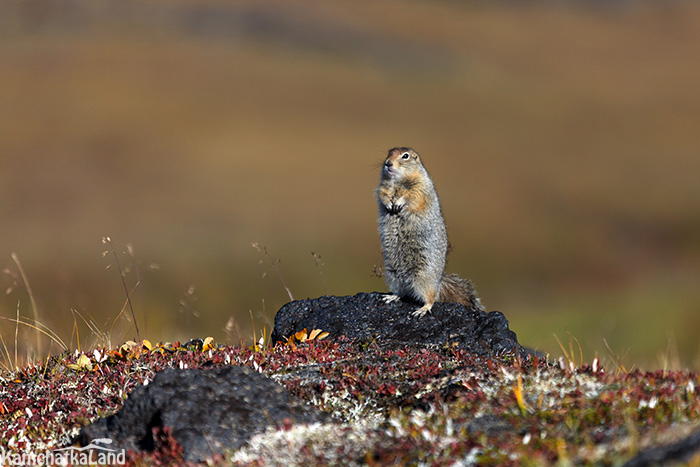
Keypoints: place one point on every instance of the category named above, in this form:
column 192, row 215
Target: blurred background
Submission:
column 563, row 138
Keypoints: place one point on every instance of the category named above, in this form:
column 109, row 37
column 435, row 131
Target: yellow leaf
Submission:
column 301, row 336
column 147, row 344
column 208, row 344
column 127, row 347
column 82, row 363
column 318, row 335
column 518, row 392
column 84, row 360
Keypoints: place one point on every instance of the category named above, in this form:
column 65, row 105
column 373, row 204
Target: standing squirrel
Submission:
column 414, row 237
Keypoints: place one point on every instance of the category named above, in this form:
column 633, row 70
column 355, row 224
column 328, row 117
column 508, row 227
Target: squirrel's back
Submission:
column 414, row 237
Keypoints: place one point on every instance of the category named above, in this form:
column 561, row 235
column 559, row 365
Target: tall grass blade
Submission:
column 32, row 299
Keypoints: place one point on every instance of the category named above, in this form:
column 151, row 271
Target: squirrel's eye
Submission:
column 406, row 155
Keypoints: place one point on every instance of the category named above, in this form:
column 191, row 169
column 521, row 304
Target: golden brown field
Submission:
column 564, row 142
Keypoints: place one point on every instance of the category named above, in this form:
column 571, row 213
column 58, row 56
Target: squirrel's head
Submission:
column 401, row 162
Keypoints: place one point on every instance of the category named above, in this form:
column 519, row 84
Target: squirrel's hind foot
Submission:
column 420, row 312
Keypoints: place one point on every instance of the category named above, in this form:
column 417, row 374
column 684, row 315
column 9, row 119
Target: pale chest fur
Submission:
column 414, row 241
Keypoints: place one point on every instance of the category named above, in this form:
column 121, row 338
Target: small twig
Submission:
column 106, row 240
column 274, row 262
column 32, row 299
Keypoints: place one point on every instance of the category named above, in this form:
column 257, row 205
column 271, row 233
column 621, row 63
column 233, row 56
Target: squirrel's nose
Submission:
column 388, row 163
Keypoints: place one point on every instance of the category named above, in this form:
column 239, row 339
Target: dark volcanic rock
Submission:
column 207, row 411
column 680, row 451
column 366, row 316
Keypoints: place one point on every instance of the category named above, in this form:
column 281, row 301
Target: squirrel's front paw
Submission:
column 395, row 208
column 390, row 298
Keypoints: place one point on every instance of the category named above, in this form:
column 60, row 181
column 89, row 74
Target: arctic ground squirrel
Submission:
column 414, row 237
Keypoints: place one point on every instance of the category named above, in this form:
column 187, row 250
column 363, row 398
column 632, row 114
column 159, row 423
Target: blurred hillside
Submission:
column 563, row 141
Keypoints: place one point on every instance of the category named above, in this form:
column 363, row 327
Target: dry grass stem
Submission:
column 319, row 264
column 618, row 360
column 16, row 332
column 39, row 328
column 32, row 299
column 8, row 357
column 107, row 240
column 274, row 262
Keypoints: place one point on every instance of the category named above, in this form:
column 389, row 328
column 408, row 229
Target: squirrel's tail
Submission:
column 455, row 289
